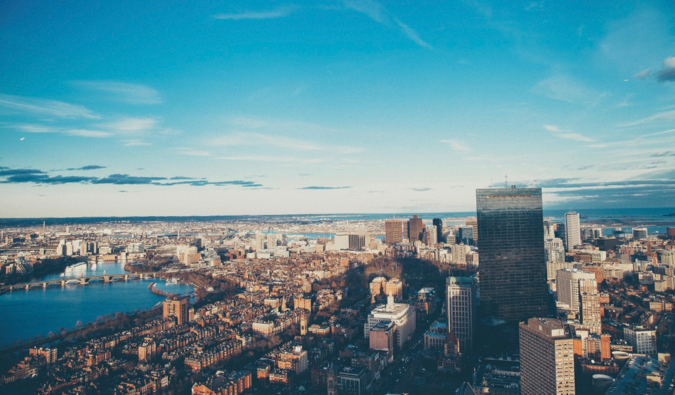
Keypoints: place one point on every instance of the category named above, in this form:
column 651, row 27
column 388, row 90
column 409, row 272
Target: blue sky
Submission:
column 160, row 108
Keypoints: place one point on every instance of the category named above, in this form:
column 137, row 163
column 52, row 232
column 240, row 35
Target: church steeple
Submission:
column 390, row 301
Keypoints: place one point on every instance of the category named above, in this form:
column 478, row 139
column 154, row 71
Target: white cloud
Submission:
column 379, row 14
column 278, row 13
column 38, row 128
column 643, row 74
column 273, row 159
column 567, row 134
column 87, row 133
column 123, row 91
column 456, row 145
column 132, row 125
column 135, row 143
column 46, row 107
column 662, row 116
column 192, row 152
column 411, row 34
column 564, row 88
column 259, row 139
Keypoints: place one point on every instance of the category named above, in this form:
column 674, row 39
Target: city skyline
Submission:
column 339, row 107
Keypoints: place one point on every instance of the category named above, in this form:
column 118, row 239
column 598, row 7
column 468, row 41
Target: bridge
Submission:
column 107, row 278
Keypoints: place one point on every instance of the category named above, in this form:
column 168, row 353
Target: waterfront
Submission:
column 27, row 314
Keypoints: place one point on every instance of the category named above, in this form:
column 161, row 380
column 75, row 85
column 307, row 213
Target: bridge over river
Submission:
column 106, row 278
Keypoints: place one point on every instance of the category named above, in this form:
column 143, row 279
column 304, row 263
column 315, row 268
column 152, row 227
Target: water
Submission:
column 26, row 314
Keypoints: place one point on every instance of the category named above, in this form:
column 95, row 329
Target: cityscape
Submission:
column 337, row 197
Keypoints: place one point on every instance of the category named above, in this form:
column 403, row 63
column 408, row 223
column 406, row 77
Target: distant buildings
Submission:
column 546, row 358
column 512, row 260
column 570, row 283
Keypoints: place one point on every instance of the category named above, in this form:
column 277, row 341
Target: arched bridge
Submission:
column 107, row 278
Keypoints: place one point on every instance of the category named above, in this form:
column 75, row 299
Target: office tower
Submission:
column 357, row 241
column 430, row 235
column 176, row 308
column 570, row 283
column 668, row 258
column 395, row 230
column 438, row 223
column 382, row 337
column 591, row 317
column 549, row 230
column 272, row 239
column 546, row 358
column 462, row 315
column 415, row 228
column 512, row 260
column 341, row 241
column 639, row 233
column 259, row 241
column 572, row 230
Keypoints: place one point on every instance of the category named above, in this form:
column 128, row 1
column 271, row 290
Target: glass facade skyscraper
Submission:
column 512, row 258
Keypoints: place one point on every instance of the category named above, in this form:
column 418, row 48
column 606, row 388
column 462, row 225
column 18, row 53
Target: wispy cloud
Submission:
column 135, row 143
column 323, row 188
column 379, row 14
column 259, row 139
column 88, row 133
column 564, row 88
column 45, row 107
column 132, row 125
column 411, row 34
column 661, row 116
column 568, row 134
column 278, row 13
column 420, row 189
column 274, row 159
column 456, row 145
column 192, row 152
column 123, row 91
column 88, row 167
column 643, row 74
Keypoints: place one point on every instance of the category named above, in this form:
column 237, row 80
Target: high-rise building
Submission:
column 431, row 235
column 462, row 315
column 570, row 283
column 473, row 222
column 546, row 358
column 415, row 228
column 572, row 230
column 512, row 259
column 466, row 235
column 395, row 230
column 176, row 308
column 591, row 317
column 438, row 223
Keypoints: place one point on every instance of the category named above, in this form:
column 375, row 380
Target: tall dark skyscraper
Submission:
column 439, row 229
column 512, row 257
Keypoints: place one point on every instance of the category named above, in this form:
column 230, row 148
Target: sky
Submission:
column 128, row 108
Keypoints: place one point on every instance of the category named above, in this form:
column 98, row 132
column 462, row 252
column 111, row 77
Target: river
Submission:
column 26, row 314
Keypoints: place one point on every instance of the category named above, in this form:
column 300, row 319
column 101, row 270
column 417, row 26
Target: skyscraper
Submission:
column 395, row 230
column 176, row 308
column 415, row 228
column 571, row 283
column 438, row 223
column 512, row 259
column 546, row 358
column 572, row 230
column 462, row 315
